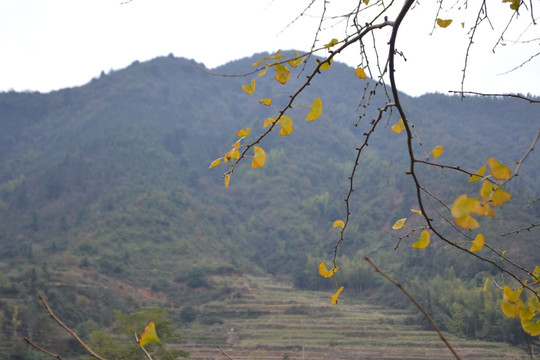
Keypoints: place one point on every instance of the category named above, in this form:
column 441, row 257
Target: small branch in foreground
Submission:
column 71, row 332
column 39, row 348
column 424, row 312
column 224, row 353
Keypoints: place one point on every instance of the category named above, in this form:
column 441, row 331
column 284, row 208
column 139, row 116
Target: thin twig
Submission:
column 420, row 307
column 224, row 353
column 37, row 347
column 518, row 96
column 71, row 332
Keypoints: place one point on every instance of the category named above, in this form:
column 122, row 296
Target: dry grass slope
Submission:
column 273, row 321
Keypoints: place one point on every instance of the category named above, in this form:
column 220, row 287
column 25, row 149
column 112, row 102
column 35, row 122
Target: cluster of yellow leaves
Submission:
column 259, row 156
column 323, row 271
column 425, row 238
column 491, row 195
column 529, row 313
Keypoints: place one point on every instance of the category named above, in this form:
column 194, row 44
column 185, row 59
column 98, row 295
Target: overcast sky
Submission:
column 48, row 45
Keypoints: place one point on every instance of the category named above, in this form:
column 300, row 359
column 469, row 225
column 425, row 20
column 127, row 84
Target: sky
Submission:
column 54, row 44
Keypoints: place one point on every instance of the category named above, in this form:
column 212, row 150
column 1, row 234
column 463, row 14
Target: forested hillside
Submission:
column 107, row 202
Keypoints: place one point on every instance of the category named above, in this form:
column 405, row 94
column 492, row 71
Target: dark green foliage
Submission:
column 105, row 190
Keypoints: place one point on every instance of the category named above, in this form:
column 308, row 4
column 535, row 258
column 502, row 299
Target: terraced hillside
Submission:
column 266, row 320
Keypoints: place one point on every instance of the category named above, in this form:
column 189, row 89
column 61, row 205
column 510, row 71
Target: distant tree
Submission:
column 372, row 27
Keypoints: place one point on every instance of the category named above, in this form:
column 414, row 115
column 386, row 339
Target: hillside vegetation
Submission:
column 107, row 202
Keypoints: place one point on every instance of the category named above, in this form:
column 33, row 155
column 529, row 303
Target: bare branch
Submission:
column 420, row 307
column 71, row 332
column 518, row 96
column 39, row 348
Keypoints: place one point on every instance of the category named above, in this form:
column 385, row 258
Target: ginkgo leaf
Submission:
column 243, row 132
column 149, row 334
column 423, row 240
column 323, row 271
column 514, row 4
column 268, row 122
column 250, row 88
column 399, row 224
column 259, row 157
column 286, row 125
column 338, row 223
column 511, row 295
column 536, row 275
column 283, row 74
column 479, row 174
column 298, row 60
column 502, row 254
column 215, row 163
column 263, row 72
column 227, row 180
column 266, row 102
column 509, row 309
column 331, row 43
column 444, row 23
column 325, row 65
column 360, row 73
column 485, row 289
column 315, row 110
column 467, row 222
column 531, row 326
column 500, row 196
column 417, row 212
column 366, row 2
column 498, row 170
column 478, row 243
column 465, row 205
column 398, row 127
column 335, row 296
column 437, row 151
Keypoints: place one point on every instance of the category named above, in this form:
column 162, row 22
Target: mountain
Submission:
column 107, row 201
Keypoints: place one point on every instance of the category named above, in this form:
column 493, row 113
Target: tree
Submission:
column 455, row 221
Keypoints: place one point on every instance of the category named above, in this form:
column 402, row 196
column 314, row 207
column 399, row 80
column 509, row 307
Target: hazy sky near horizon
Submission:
column 49, row 45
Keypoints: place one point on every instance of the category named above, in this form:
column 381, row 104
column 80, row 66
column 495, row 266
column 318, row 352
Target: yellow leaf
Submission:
column 215, row 163
column 443, row 23
column 259, row 62
column 502, row 254
column 464, row 206
column 509, row 309
column 486, row 190
column 534, row 303
column 249, row 89
column 149, row 334
column 532, row 327
column 536, row 275
column 331, row 43
column 283, row 74
column 510, row 295
column 286, row 125
column 243, row 132
column 266, row 102
column 315, row 110
column 423, row 240
column 478, row 243
column 263, row 72
column 467, row 222
column 514, row 4
column 399, row 224
column 416, row 212
column 323, row 271
column 339, row 223
column 360, row 73
column 500, row 196
column 485, row 289
column 298, row 60
column 268, row 122
column 438, row 151
column 398, row 127
column 498, row 170
column 227, row 179
column 366, row 2
column 325, row 65
column 259, row 157
column 335, row 296
column 479, row 174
